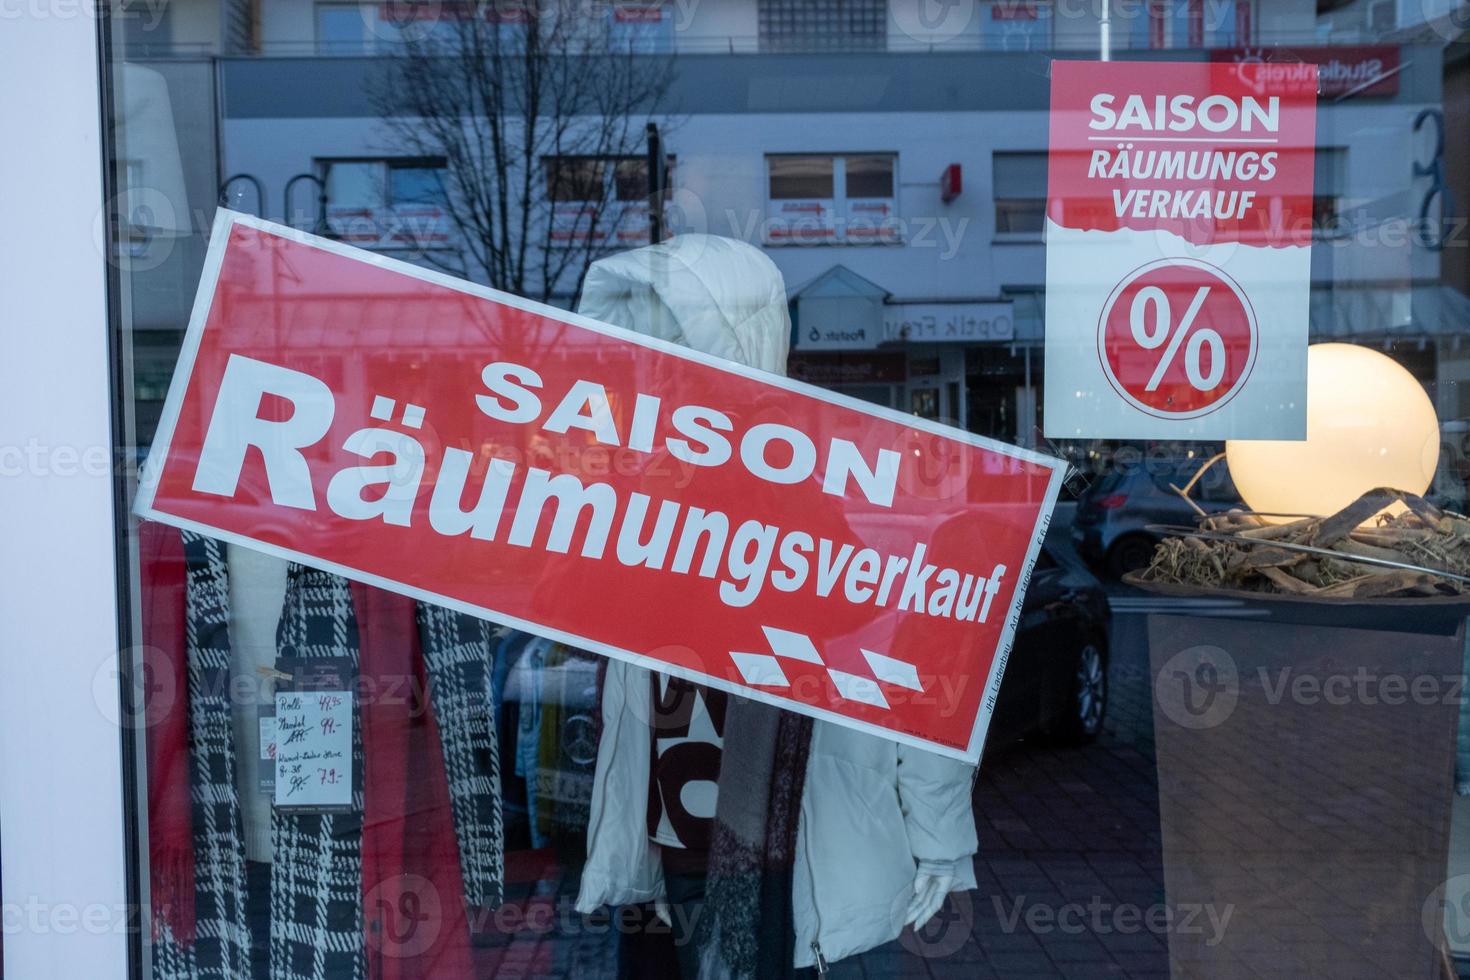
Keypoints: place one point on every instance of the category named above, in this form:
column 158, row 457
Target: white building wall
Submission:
column 194, row 24
column 951, row 251
column 287, row 26
column 730, row 26
column 1293, row 22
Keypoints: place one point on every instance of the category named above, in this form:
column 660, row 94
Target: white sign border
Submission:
column 219, row 237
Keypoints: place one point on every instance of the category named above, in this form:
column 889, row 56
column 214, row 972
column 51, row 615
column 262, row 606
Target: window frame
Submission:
column 321, row 46
column 1026, row 237
column 841, row 202
column 385, row 211
column 1173, row 13
column 70, row 845
column 1046, row 16
column 613, row 228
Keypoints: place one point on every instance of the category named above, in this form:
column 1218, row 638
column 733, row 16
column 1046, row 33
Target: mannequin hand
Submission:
column 929, row 893
column 661, row 909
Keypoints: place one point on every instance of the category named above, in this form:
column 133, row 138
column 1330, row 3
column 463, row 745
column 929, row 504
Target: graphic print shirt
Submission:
column 688, row 736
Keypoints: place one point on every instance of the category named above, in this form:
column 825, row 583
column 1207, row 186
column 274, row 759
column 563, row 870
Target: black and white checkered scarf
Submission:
column 316, row 875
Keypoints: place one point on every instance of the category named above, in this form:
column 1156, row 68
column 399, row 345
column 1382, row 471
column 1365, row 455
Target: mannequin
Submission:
column 902, row 814
column 257, row 590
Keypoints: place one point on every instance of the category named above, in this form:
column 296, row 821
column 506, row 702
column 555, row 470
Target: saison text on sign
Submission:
column 605, row 489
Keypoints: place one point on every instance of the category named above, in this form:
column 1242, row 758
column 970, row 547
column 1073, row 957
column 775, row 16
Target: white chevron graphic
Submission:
column 764, row 669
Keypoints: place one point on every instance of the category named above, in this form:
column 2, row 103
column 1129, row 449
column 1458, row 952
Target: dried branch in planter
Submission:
column 1350, row 554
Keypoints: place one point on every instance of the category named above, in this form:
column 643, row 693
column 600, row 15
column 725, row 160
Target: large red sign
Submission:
column 579, row 481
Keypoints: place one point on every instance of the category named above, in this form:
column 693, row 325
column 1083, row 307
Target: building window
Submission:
column 625, row 26
column 387, row 203
column 1328, row 181
column 600, row 199
column 146, row 29
column 848, row 199
column 374, row 28
column 640, row 28
column 341, row 28
column 1016, row 25
column 1019, row 191
column 817, row 25
column 1159, row 24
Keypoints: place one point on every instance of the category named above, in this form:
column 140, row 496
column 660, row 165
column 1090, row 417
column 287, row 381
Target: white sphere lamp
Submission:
column 1369, row 424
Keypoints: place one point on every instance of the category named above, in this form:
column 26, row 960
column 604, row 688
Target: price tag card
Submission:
column 313, row 729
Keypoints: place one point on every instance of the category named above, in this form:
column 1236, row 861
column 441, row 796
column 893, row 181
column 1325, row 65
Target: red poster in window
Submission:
column 1178, row 249
column 585, row 483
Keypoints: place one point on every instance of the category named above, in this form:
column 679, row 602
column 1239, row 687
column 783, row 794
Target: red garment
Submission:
column 166, row 720
column 414, row 913
column 413, row 893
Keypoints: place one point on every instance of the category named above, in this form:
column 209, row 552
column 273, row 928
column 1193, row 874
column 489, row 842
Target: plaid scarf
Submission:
column 316, row 867
column 316, row 876
column 747, row 931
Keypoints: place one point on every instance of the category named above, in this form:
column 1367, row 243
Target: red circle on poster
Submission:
column 1177, row 338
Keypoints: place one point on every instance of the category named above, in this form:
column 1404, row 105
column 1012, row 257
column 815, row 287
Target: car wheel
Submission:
column 1087, row 702
column 1129, row 554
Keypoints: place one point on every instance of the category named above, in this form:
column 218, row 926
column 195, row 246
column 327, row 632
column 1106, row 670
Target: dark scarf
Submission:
column 747, row 930
column 317, row 930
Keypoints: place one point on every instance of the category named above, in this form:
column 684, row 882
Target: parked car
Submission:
column 1056, row 682
column 1110, row 529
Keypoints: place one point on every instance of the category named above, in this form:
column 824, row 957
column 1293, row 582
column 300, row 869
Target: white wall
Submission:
column 287, row 26
column 715, row 25
column 61, row 797
column 195, row 23
column 1286, row 22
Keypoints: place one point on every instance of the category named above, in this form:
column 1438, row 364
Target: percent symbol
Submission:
column 1163, row 315
column 1177, row 338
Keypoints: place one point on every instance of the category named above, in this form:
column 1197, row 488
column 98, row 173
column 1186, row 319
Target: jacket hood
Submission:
column 716, row 295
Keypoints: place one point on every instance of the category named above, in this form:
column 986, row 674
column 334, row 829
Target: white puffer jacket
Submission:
column 873, row 813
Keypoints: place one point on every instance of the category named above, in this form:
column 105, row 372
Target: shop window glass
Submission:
column 343, row 778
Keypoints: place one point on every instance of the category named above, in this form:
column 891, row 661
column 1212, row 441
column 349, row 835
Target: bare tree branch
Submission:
column 511, row 98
